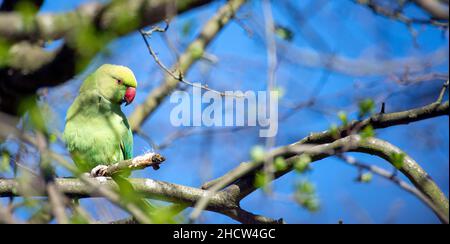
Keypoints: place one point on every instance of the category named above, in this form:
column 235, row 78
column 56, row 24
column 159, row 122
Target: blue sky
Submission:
column 349, row 30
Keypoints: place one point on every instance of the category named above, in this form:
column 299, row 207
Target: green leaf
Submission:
column 305, row 195
column 284, row 33
column 258, row 154
column 306, row 187
column 88, row 41
column 302, row 163
column 366, row 177
column 124, row 22
column 27, row 10
column 196, row 50
column 78, row 219
column 343, row 117
column 280, row 164
column 52, row 138
column 366, row 107
column 334, row 130
column 279, row 92
column 4, row 52
column 397, row 159
column 367, row 132
column 310, row 203
column 187, row 28
column 4, row 165
column 261, row 180
column 162, row 215
column 35, row 117
column 30, row 202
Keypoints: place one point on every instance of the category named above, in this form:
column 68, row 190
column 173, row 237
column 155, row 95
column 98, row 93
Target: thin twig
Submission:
column 442, row 93
column 399, row 15
column 389, row 176
column 180, row 76
column 57, row 203
column 271, row 79
column 6, row 217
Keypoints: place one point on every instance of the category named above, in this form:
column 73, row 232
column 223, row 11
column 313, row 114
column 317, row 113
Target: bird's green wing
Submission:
column 126, row 145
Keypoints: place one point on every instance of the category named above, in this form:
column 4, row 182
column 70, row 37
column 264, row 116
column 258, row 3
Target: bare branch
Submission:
column 227, row 201
column 105, row 16
column 185, row 61
column 442, row 93
column 379, row 121
column 398, row 15
column 28, row 69
column 434, row 7
column 362, row 66
column 179, row 77
column 6, row 217
column 245, row 185
column 137, row 163
column 57, row 203
column 389, row 175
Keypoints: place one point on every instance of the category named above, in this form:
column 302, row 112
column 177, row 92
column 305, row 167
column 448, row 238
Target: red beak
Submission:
column 130, row 93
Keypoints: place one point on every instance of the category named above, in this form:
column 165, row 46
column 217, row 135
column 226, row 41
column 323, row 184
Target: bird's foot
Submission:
column 99, row 170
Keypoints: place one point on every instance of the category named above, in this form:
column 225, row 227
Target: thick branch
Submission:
column 147, row 187
column 28, row 65
column 226, row 201
column 245, row 185
column 240, row 182
column 55, row 26
column 238, row 175
column 379, row 121
column 246, row 217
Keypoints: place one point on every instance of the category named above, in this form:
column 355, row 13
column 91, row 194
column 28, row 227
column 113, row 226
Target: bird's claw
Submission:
column 99, row 170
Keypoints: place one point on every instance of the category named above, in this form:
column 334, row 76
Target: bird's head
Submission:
column 115, row 83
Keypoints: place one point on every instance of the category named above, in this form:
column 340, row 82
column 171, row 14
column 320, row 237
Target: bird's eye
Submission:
column 119, row 82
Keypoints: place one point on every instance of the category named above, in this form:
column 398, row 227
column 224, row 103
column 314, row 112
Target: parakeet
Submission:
column 97, row 132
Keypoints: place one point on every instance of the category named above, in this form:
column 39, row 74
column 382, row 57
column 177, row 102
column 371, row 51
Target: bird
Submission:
column 97, row 132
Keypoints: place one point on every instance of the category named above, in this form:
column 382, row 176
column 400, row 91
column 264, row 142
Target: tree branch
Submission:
column 365, row 66
column 28, row 64
column 400, row 16
column 105, row 16
column 391, row 176
column 227, row 201
column 377, row 121
column 239, row 180
column 380, row 121
column 57, row 203
column 435, row 8
column 186, row 60
column 6, row 217
column 137, row 163
column 243, row 186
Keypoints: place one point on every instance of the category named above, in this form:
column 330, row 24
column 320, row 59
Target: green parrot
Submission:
column 97, row 132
